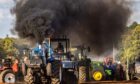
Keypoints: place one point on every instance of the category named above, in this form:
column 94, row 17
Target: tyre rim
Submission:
column 97, row 75
column 9, row 78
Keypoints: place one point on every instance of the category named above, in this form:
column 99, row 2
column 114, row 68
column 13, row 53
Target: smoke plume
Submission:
column 96, row 23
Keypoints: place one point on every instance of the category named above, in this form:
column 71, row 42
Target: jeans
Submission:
column 43, row 58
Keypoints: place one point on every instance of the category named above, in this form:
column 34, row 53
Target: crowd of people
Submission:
column 113, row 71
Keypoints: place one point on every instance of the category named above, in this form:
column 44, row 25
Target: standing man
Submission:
column 40, row 52
column 11, row 57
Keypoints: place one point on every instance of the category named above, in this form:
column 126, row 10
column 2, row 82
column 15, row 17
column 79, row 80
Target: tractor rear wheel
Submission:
column 82, row 74
column 49, row 69
column 55, row 81
column 7, row 76
column 53, row 70
column 29, row 77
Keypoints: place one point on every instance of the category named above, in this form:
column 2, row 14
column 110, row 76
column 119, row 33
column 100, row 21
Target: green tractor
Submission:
column 107, row 70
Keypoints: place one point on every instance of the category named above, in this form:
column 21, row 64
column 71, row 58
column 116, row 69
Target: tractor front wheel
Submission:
column 7, row 76
column 97, row 75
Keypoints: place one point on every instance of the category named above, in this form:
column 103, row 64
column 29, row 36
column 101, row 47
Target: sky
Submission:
column 7, row 19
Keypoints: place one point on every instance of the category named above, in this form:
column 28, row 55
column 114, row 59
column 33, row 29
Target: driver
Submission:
column 59, row 48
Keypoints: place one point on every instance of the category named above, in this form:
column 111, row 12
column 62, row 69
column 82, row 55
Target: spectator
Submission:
column 15, row 67
column 11, row 57
column 25, row 62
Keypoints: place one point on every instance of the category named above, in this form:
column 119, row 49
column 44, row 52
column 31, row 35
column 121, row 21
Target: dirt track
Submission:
column 113, row 82
column 101, row 82
column 70, row 78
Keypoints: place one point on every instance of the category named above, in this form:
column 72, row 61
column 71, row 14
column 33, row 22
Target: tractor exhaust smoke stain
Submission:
column 96, row 23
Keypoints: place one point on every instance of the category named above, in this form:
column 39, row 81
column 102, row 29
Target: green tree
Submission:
column 12, row 46
column 8, row 44
column 130, row 47
column 2, row 52
column 131, row 44
column 133, row 25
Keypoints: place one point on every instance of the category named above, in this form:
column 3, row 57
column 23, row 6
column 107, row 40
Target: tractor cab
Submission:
column 59, row 48
column 79, row 52
column 61, row 51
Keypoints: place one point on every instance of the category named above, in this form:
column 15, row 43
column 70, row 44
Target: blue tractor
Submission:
column 45, row 62
column 49, row 60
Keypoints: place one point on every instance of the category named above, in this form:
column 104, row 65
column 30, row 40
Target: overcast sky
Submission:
column 7, row 20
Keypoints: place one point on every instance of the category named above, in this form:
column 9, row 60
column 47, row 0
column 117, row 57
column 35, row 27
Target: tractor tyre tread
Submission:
column 82, row 74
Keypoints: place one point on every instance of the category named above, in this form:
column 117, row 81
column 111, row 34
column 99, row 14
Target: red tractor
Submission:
column 6, row 71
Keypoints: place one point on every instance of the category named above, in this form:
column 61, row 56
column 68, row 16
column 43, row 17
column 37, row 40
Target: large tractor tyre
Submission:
column 53, row 69
column 56, row 66
column 82, row 74
column 38, row 78
column 87, row 64
column 49, row 69
column 55, row 81
column 29, row 79
column 98, row 75
column 7, row 76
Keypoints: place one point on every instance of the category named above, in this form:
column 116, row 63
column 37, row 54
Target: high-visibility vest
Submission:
column 15, row 67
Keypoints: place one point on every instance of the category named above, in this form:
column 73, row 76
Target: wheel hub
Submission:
column 97, row 76
column 9, row 78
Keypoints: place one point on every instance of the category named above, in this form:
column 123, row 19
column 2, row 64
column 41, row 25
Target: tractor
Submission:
column 35, row 73
column 71, row 59
column 107, row 70
column 48, row 69
column 82, row 63
column 6, row 72
column 56, row 62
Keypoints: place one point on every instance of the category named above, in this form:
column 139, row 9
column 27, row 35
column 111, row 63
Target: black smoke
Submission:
column 96, row 23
